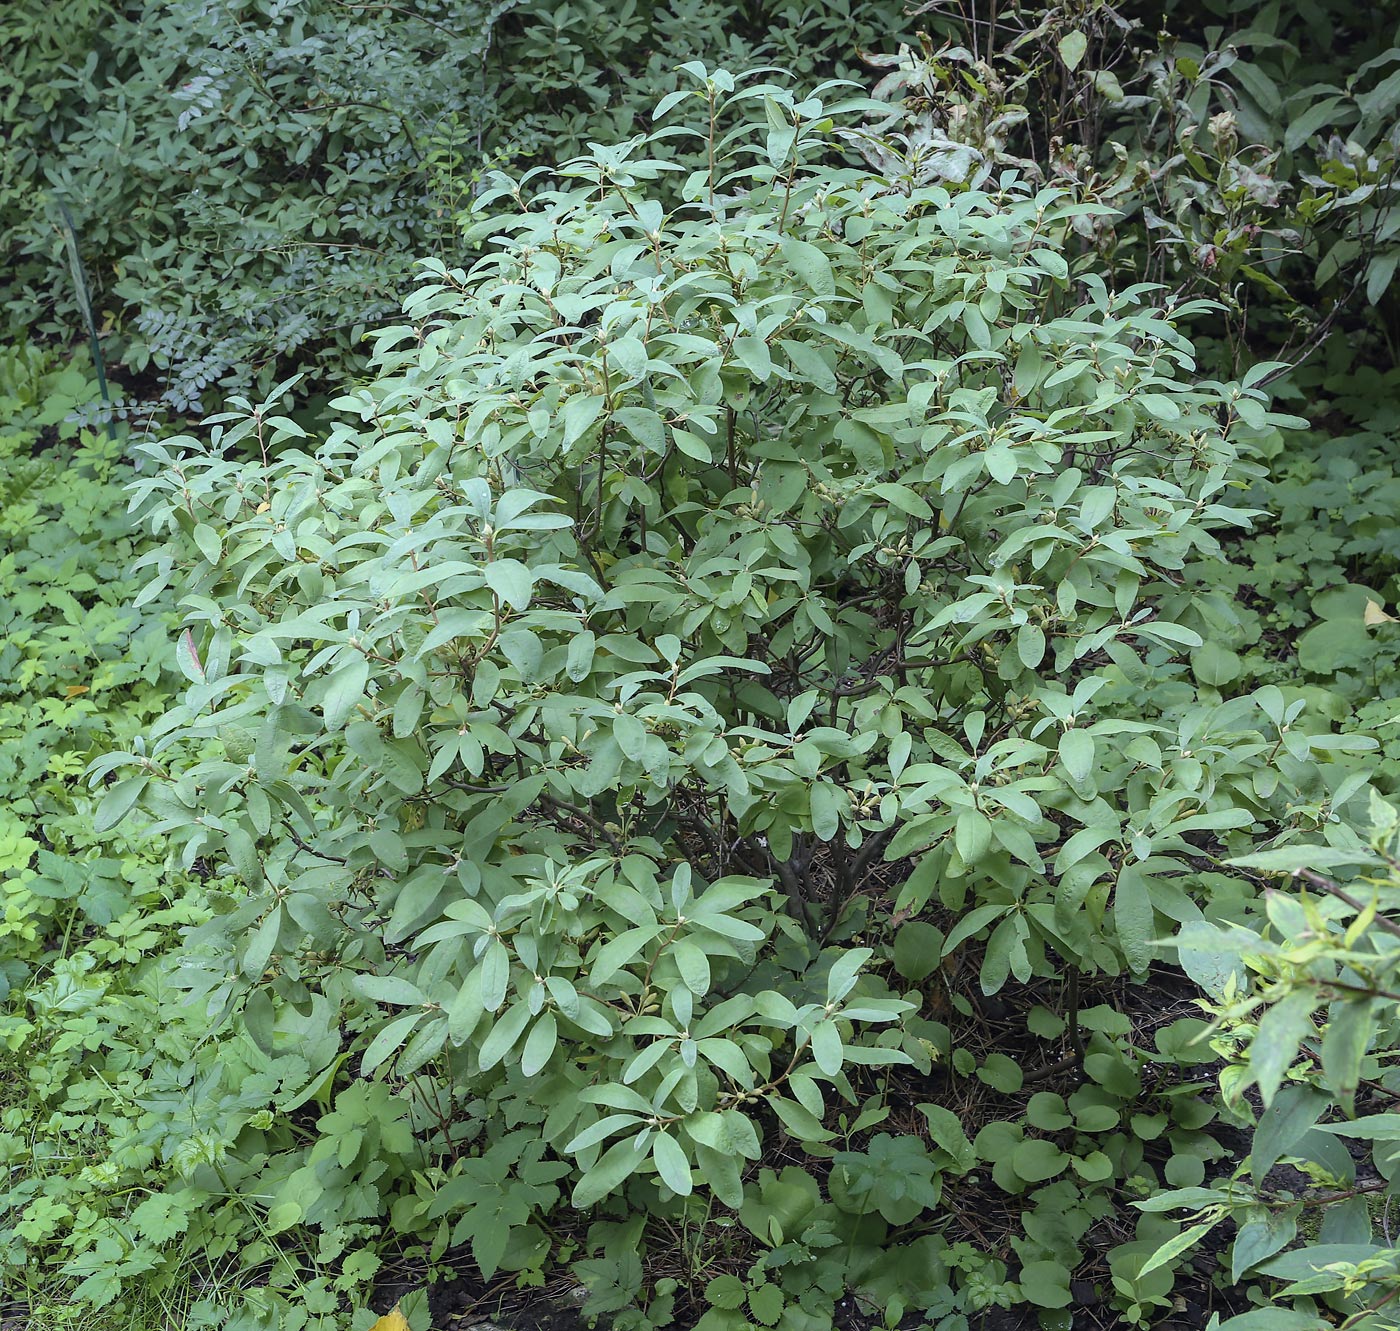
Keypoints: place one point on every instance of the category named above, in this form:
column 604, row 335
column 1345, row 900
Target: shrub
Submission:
column 710, row 617
column 1304, row 1009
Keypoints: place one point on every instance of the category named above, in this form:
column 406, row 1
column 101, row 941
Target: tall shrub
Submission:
column 708, row 616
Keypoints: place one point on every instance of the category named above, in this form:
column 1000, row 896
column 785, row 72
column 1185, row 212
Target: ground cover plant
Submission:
column 803, row 741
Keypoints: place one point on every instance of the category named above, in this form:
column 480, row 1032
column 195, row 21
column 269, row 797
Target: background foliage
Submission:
column 253, row 180
column 746, row 668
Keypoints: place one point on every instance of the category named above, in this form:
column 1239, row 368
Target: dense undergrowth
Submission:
column 739, row 759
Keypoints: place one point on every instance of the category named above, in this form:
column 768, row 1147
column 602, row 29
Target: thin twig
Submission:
column 1334, row 890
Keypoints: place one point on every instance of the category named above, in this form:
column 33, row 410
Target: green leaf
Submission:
column 1288, row 859
column 1036, row 1160
column 845, row 971
column 972, row 834
column 207, row 539
column 511, row 580
column 1045, row 1284
column 1030, row 645
column 1047, row 1111
column 579, row 412
column 1077, row 754
column 826, row 1047
column 262, row 944
column 1182, row 1198
column 504, row 1035
column 976, row 919
column 809, row 363
column 1174, row 1247
column 617, row 952
column 1351, row 1026
column 117, row 801
column 693, row 965
column 388, row 989
column 1380, row 273
column 1072, row 48
column 1293, row 1112
column 671, row 1163
column 1171, row 633
column 1106, row 85
column 631, row 736
column 629, row 354
column 1095, row 1167
column 579, row 661
column 1002, row 1073
column 766, row 1302
column 1259, row 1239
column 918, row 949
column 827, row 805
column 283, row 1216
column 539, row 1045
column 1281, row 1031
column 600, row 1131
column 946, row 1132
column 344, row 691
column 1275, row 1318
column 618, row 1163
column 1369, row 1127
column 810, row 264
column 798, row 1120
column 1215, row 666
column 1133, row 916
column 726, row 1292
column 494, row 972
column 388, row 1041
column 465, row 1011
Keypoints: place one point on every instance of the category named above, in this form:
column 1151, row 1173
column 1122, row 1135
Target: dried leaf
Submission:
column 393, row 1320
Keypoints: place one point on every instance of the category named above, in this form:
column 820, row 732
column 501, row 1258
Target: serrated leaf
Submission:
column 726, row 1292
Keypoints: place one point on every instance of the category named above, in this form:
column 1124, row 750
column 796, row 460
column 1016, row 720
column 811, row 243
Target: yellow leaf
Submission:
column 75, row 690
column 393, row 1320
column 1373, row 614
